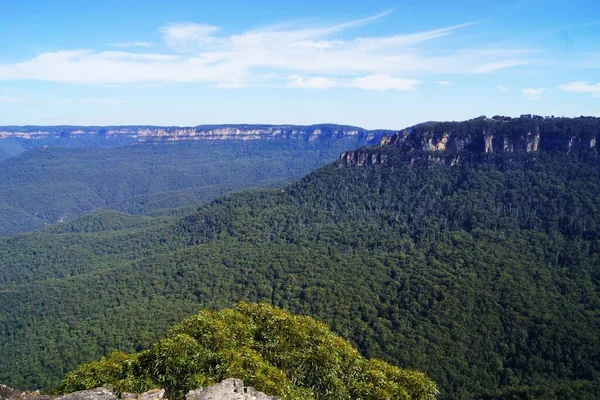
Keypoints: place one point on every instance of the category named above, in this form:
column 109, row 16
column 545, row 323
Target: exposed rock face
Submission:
column 203, row 132
column 440, row 142
column 155, row 394
column 102, row 393
column 229, row 389
column 484, row 143
column 361, row 158
column 7, row 393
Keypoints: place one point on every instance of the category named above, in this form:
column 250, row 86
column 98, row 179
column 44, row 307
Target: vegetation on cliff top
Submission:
column 293, row 357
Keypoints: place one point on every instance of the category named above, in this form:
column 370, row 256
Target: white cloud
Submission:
column 118, row 67
column 310, row 54
column 131, row 44
column 123, row 55
column 383, row 82
column 317, row 82
column 369, row 82
column 443, row 83
column 410, row 39
column 320, row 44
column 581, row 87
column 488, row 67
column 93, row 101
column 502, row 88
column 533, row 94
column 189, row 35
column 9, row 99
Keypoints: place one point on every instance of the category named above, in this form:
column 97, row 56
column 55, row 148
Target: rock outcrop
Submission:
column 229, row 389
column 101, row 393
column 202, row 132
column 440, row 142
column 361, row 158
column 154, row 394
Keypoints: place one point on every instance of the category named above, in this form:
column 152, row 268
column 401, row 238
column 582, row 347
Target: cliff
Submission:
column 450, row 142
column 201, row 132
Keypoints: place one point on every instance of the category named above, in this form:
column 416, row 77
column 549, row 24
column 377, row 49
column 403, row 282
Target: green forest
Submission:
column 46, row 185
column 484, row 275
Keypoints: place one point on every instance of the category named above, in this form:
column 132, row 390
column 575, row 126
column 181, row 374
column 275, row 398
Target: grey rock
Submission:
column 101, row 393
column 7, row 393
column 155, row 394
column 229, row 389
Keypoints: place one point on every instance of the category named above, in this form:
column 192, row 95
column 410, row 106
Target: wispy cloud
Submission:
column 581, row 87
column 9, row 99
column 190, row 36
column 502, row 88
column 533, row 94
column 443, row 83
column 315, row 82
column 383, row 82
column 493, row 66
column 100, row 100
column 131, row 44
column 312, row 55
column 370, row 82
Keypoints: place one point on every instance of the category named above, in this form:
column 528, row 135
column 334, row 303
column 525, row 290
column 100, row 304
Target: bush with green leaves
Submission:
column 294, row 357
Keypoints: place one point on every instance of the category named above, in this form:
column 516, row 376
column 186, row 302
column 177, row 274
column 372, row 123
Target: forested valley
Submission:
column 483, row 274
column 46, row 185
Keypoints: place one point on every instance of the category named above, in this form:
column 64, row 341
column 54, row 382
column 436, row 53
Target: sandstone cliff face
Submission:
column 443, row 142
column 206, row 132
column 361, row 158
column 484, row 143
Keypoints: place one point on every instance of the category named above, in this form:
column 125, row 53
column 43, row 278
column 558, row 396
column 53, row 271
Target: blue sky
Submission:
column 376, row 64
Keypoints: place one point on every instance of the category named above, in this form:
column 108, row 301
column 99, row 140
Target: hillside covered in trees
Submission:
column 482, row 273
column 51, row 184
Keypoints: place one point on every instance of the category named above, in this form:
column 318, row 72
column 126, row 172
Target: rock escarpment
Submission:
column 443, row 142
column 229, row 389
column 201, row 132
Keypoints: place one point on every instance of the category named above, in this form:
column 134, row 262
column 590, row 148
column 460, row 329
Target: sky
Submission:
column 374, row 64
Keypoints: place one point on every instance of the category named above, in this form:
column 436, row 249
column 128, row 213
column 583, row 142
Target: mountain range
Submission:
column 69, row 171
column 16, row 139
